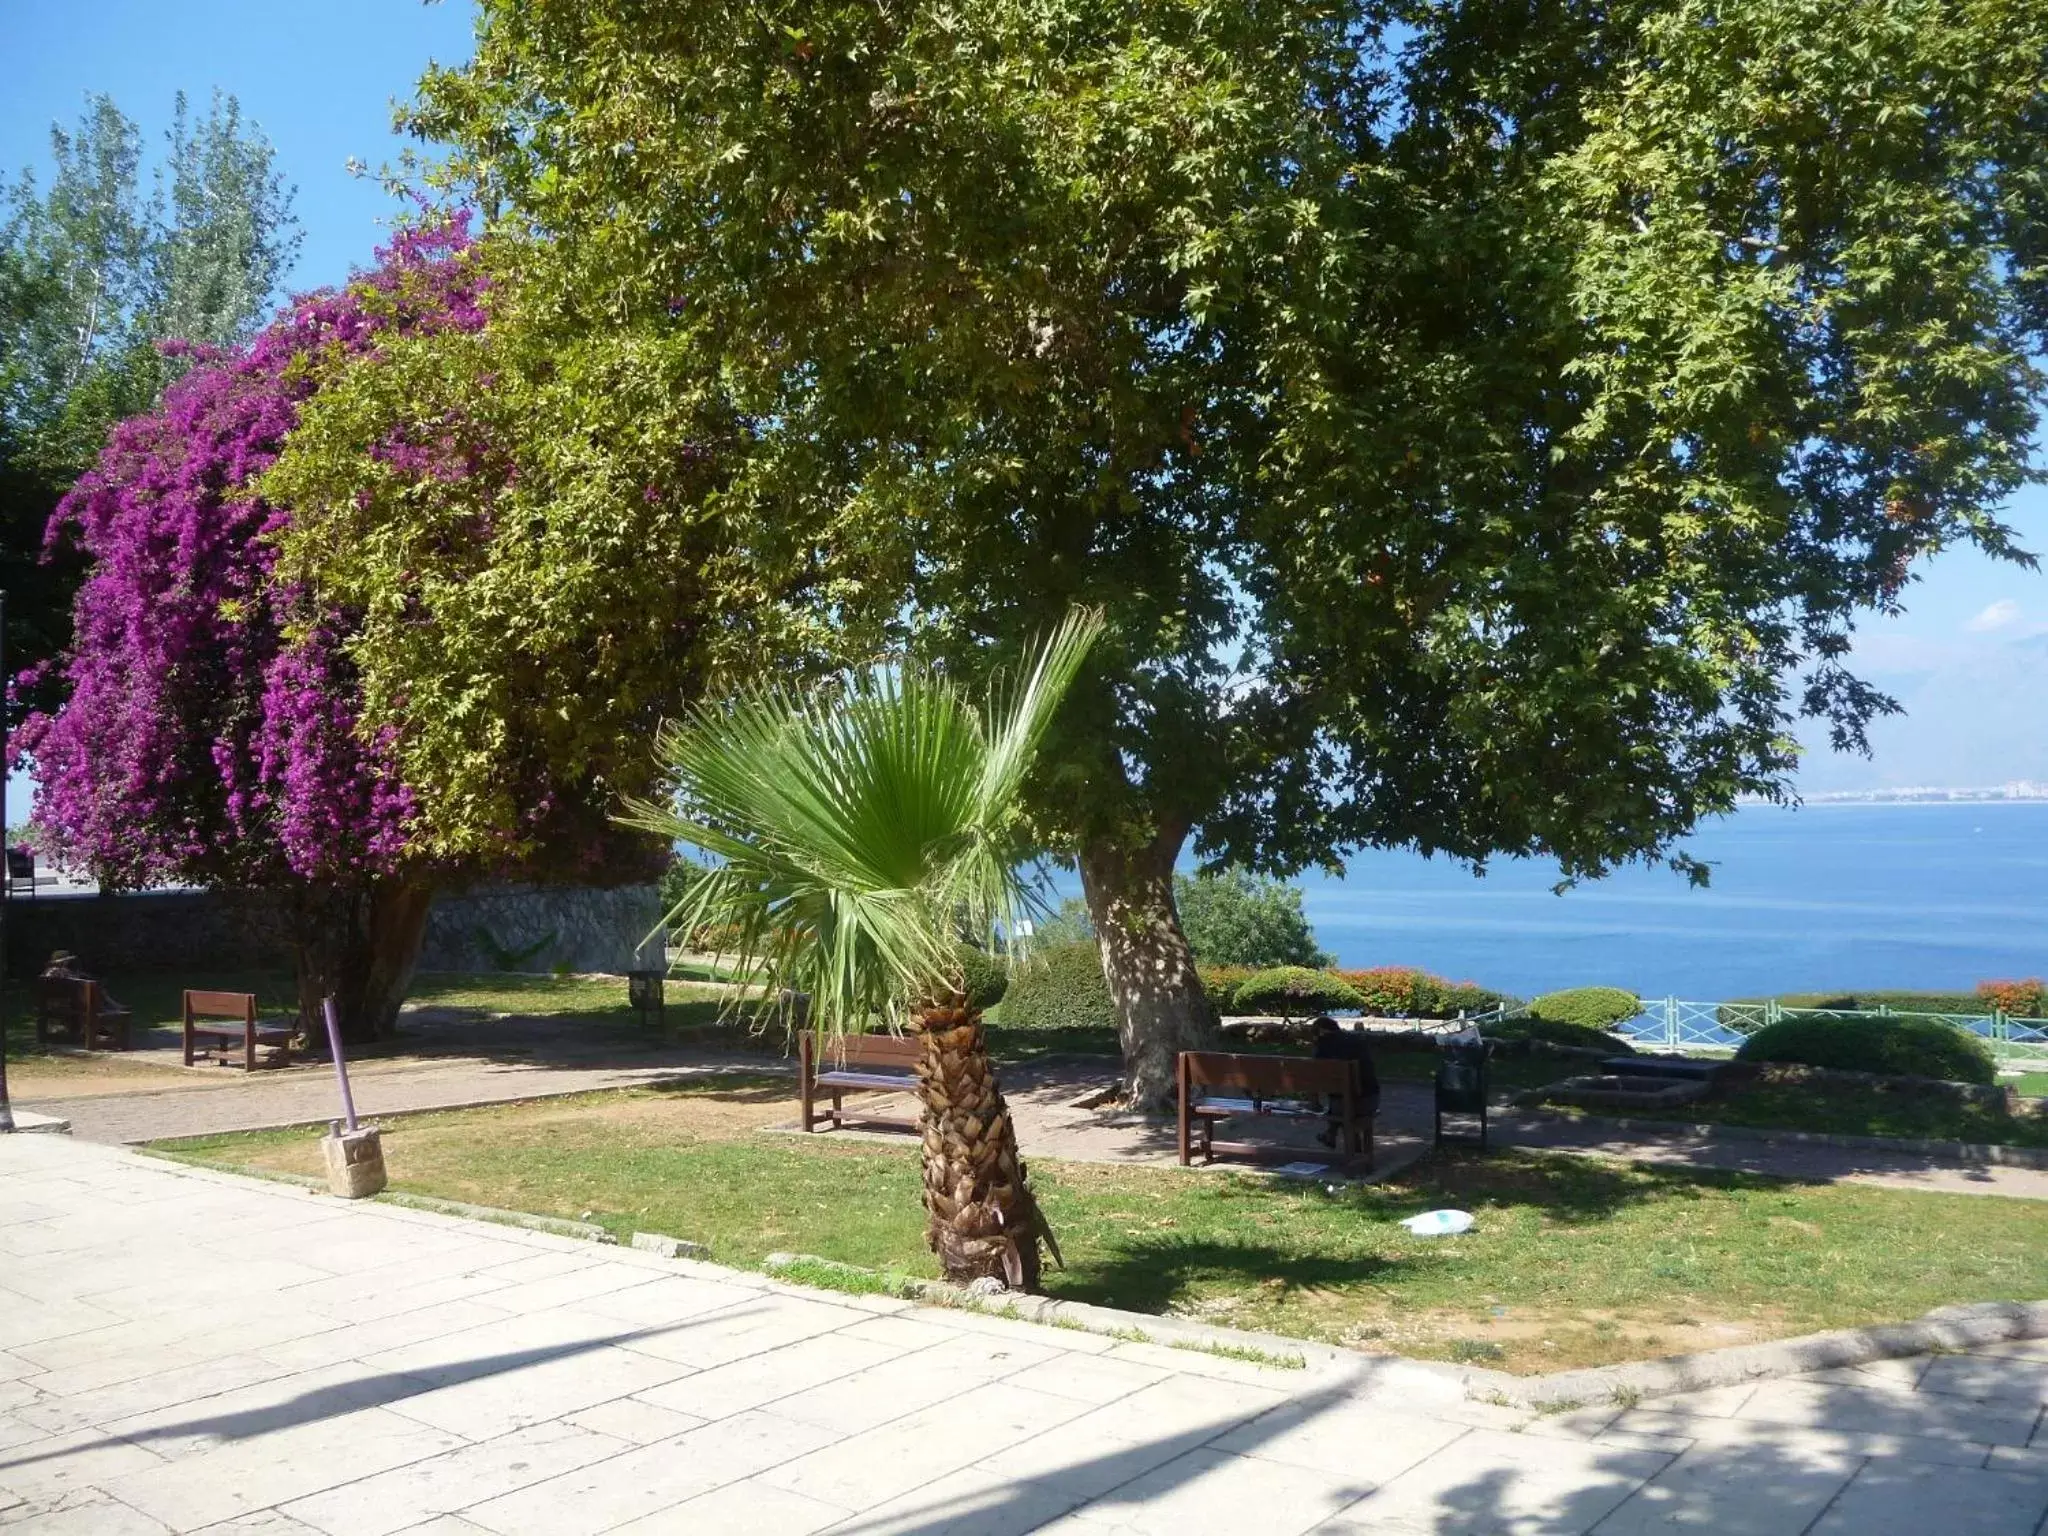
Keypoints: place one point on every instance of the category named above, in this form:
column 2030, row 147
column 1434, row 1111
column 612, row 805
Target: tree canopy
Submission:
column 1483, row 428
column 94, row 276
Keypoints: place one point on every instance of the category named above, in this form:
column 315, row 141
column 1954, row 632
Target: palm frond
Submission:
column 855, row 831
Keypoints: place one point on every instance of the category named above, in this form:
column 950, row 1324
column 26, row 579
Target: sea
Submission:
column 1820, row 897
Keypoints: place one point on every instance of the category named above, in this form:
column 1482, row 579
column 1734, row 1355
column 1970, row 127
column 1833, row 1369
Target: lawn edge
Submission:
column 1947, row 1329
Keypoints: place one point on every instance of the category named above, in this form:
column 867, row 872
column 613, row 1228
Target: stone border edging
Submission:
column 1954, row 1151
column 1965, row 1326
column 1962, row 1326
column 587, row 1231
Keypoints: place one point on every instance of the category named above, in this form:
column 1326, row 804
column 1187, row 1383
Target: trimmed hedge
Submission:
column 1557, row 1032
column 1293, row 991
column 1221, row 983
column 1060, row 987
column 1902, row 1046
column 984, row 975
column 1402, row 991
column 1592, row 1008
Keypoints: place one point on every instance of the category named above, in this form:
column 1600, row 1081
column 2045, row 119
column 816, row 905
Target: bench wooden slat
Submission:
column 1274, row 1085
column 225, row 1018
column 863, row 1080
column 881, row 1062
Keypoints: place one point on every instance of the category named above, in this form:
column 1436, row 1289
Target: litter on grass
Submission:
column 1439, row 1223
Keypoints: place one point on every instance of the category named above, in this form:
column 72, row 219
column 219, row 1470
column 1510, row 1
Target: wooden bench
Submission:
column 227, row 1021
column 74, row 1008
column 884, row 1063
column 1298, row 1087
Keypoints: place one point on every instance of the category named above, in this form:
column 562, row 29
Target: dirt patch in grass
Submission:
column 1573, row 1261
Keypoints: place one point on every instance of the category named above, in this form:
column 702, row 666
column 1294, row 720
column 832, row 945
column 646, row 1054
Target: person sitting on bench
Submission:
column 1335, row 1043
column 63, row 966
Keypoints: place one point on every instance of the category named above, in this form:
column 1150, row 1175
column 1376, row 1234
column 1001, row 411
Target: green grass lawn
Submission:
column 2033, row 1085
column 1574, row 1261
column 1851, row 1109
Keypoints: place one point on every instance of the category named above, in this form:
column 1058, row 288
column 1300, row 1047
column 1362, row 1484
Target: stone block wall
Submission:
column 195, row 931
column 539, row 929
column 534, row 930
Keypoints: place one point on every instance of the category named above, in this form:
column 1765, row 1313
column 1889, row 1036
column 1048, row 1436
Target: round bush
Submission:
column 984, row 976
column 1293, row 991
column 1901, row 1047
column 1060, row 987
column 1587, row 1007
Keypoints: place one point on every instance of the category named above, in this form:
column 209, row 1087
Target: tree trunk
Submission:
column 1161, row 1007
column 359, row 947
column 980, row 1216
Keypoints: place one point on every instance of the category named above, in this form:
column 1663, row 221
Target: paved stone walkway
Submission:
column 189, row 1352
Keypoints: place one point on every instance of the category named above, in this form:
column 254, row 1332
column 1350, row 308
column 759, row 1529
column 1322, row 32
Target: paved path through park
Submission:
column 183, row 1351
column 307, row 1095
column 1048, row 1123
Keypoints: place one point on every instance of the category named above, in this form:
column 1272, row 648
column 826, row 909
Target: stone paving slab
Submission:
column 412, row 1374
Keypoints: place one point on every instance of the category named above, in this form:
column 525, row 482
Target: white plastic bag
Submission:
column 1439, row 1223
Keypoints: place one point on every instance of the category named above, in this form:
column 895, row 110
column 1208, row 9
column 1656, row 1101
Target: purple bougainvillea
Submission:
column 209, row 730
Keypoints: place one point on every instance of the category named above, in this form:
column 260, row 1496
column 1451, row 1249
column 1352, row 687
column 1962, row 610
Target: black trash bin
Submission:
column 1461, row 1080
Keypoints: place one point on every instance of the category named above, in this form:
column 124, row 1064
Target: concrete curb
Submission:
column 1946, row 1328
column 28, row 1123
column 587, row 1231
column 1673, row 1130
column 1964, row 1326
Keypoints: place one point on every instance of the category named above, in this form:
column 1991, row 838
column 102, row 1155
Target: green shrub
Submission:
column 1901, row 1046
column 1237, row 918
column 1587, row 1007
column 1221, row 983
column 984, row 975
column 1060, row 987
column 1293, row 991
column 1557, row 1032
column 1403, row 992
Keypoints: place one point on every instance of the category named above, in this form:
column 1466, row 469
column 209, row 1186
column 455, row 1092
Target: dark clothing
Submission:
column 1350, row 1045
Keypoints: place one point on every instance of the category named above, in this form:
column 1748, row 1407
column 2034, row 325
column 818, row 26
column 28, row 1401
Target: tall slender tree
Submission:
column 859, row 834
column 98, row 270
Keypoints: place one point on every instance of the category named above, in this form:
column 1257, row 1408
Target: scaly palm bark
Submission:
column 981, row 1218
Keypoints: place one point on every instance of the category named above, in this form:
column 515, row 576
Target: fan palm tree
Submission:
column 858, row 834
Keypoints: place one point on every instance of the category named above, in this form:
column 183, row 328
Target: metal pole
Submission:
column 6, row 882
column 348, row 1102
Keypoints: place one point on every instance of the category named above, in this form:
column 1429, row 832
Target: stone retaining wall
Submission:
column 541, row 929
column 534, row 930
column 192, row 931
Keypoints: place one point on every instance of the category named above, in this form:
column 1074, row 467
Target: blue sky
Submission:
column 320, row 77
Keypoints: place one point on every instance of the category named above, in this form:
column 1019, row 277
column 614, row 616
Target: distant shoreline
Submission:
column 1973, row 797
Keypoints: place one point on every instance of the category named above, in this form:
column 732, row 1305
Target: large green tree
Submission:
column 98, row 268
column 1482, row 423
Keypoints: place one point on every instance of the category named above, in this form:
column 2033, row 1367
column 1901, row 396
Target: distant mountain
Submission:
column 1981, row 718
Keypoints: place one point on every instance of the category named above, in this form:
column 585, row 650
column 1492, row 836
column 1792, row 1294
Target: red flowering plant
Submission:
column 2021, row 999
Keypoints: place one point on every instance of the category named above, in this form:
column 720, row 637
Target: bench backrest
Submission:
column 220, row 1005
column 1265, row 1076
column 68, row 997
column 21, row 864
column 903, row 1051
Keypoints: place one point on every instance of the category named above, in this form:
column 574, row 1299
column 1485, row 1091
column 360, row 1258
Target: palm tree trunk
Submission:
column 980, row 1216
